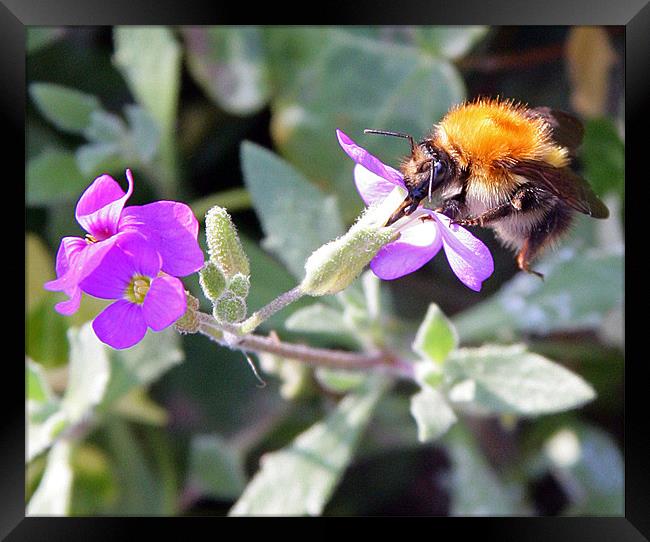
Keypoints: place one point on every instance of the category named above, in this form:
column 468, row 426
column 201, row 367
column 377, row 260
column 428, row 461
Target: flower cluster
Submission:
column 130, row 254
column 421, row 234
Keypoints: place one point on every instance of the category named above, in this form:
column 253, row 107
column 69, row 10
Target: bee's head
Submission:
column 425, row 170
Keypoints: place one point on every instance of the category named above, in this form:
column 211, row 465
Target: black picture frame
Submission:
column 634, row 15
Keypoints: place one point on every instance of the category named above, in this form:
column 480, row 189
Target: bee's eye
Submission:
column 438, row 167
column 427, row 149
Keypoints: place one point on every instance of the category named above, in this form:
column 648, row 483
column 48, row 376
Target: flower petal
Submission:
column 165, row 302
column 372, row 188
column 68, row 249
column 371, row 163
column 120, row 325
column 171, row 228
column 71, row 305
column 130, row 255
column 79, row 266
column 468, row 257
column 99, row 208
column 419, row 242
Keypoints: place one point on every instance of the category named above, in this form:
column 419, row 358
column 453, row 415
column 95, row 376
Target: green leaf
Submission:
column 373, row 295
column 53, row 176
column 94, row 159
column 52, row 497
column 39, row 268
column 139, row 407
column 140, row 487
column 354, row 83
column 216, row 469
column 428, row 374
column 234, row 199
column 580, row 287
column 476, row 490
column 296, row 217
column 449, row 41
column 317, row 318
column 68, row 109
column 150, row 60
column 114, row 145
column 94, row 485
column 432, row 414
column 295, row 377
column 144, row 133
column 44, row 418
column 603, row 155
column 229, row 64
column 339, row 381
column 142, row 364
column 39, row 37
column 38, row 390
column 88, row 373
column 105, row 127
column 300, row 479
column 510, row 380
column 45, row 423
column 46, row 330
column 436, row 336
column 289, row 51
column 589, row 466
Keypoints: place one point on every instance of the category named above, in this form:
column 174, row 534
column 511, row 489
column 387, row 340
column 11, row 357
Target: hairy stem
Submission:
column 263, row 314
column 319, row 357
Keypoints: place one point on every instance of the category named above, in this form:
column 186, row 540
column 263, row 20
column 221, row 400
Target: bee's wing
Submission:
column 565, row 184
column 566, row 130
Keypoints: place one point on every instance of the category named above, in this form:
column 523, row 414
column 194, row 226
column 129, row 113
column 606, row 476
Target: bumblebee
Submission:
column 499, row 164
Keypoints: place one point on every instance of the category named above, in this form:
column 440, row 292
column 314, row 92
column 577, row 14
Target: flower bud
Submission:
column 189, row 322
column 335, row 265
column 212, row 280
column 229, row 308
column 224, row 246
column 239, row 285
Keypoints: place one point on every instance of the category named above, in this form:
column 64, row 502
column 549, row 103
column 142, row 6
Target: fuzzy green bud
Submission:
column 229, row 308
column 335, row 265
column 212, row 280
column 189, row 322
column 224, row 246
column 239, row 285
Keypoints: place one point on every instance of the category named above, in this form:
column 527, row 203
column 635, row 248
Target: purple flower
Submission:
column 169, row 227
column 422, row 234
column 129, row 273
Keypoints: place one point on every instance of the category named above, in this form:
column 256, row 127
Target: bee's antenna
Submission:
column 430, row 181
column 394, row 134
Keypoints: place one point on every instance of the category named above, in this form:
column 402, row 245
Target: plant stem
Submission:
column 255, row 319
column 319, row 357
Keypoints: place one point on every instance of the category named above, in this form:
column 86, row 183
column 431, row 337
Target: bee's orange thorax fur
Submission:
column 487, row 135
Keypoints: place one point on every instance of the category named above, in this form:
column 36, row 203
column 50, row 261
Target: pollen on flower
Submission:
column 137, row 289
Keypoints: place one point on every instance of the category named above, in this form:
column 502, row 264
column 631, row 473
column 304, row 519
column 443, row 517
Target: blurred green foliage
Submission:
column 177, row 425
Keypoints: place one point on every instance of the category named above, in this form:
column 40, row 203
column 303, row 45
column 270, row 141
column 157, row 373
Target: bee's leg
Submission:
column 524, row 199
column 555, row 223
column 452, row 207
column 526, row 254
column 488, row 216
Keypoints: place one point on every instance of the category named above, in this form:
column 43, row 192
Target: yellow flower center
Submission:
column 137, row 289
